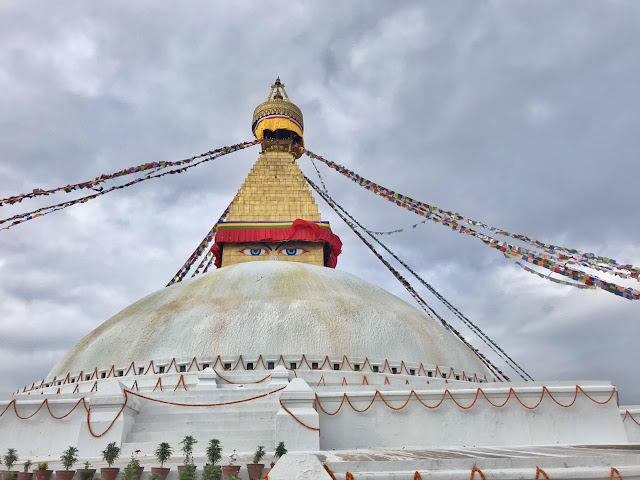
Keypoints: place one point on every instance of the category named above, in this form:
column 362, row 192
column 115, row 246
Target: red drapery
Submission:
column 302, row 230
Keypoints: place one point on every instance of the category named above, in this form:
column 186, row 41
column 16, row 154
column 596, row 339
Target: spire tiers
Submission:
column 274, row 216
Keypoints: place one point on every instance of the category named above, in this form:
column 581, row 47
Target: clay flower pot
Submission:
column 109, row 473
column 230, row 469
column 65, row 474
column 139, row 474
column 162, row 472
column 25, row 475
column 255, row 470
column 42, row 474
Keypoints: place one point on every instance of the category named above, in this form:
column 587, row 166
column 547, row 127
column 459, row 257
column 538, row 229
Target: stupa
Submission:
column 277, row 345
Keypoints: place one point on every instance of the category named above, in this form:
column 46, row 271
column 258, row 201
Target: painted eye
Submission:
column 254, row 252
column 292, row 251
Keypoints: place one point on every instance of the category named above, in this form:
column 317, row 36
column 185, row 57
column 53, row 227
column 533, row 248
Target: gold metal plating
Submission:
column 276, row 104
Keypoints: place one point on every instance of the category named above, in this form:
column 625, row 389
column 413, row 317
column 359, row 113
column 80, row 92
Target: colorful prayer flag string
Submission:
column 427, row 309
column 180, row 274
column 485, row 338
column 448, row 219
column 91, row 184
column 23, row 217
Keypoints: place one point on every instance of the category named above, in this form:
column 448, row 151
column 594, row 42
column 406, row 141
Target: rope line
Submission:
column 545, row 260
column 474, row 328
column 23, row 217
column 91, row 184
column 428, row 310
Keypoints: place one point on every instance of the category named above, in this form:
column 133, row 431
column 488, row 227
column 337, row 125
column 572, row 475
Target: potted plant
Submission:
column 110, row 454
column 187, row 448
column 232, row 468
column 255, row 468
column 212, row 471
column 69, row 457
column 87, row 472
column 10, row 458
column 133, row 470
column 163, row 453
column 188, row 470
column 280, row 451
column 43, row 472
column 25, row 474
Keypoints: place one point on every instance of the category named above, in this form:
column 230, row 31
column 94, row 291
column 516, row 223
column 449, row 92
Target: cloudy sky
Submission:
column 520, row 114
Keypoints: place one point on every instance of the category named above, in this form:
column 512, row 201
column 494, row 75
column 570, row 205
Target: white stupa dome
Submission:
column 264, row 308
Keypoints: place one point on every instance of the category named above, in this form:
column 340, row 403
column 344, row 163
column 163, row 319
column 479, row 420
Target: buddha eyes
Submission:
column 254, row 252
column 292, row 251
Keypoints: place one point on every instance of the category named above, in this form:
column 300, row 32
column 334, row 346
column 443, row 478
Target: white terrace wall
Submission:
column 630, row 416
column 585, row 422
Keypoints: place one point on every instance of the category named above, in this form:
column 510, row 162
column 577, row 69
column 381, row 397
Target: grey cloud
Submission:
column 520, row 115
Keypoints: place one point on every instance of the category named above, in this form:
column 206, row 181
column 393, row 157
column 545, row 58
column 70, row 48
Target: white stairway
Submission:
column 241, row 426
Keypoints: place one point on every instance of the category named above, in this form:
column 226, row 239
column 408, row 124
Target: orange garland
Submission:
column 416, row 476
column 333, row 477
column 479, row 392
column 615, row 470
column 348, row 476
column 240, row 362
column 628, row 414
column 297, row 419
column 475, row 470
column 540, row 471
column 241, row 383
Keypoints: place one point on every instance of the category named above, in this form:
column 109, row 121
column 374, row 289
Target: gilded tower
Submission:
column 274, row 215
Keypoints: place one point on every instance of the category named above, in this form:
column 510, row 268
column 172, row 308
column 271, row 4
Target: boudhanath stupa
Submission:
column 278, row 345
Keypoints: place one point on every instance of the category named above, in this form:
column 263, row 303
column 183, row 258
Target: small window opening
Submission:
column 271, row 365
column 457, row 377
column 73, row 380
column 394, row 370
column 293, row 365
column 429, row 374
column 140, row 370
column 412, row 372
column 121, row 373
column 87, row 377
column 183, row 368
column 103, row 375
column 227, row 366
column 375, row 368
column 161, row 369
column 59, row 382
column 444, row 375
column 205, row 365
column 356, row 367
column 336, row 366
column 314, row 365
column 250, row 366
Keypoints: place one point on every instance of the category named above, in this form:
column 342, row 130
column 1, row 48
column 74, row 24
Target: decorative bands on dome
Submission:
column 277, row 113
column 276, row 121
column 301, row 230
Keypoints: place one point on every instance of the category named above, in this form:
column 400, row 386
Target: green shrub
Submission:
column 212, row 472
column 111, row 453
column 187, row 448
column 69, row 457
column 131, row 470
column 163, row 453
column 188, row 472
column 280, row 450
column 259, row 455
column 10, row 458
column 214, row 451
